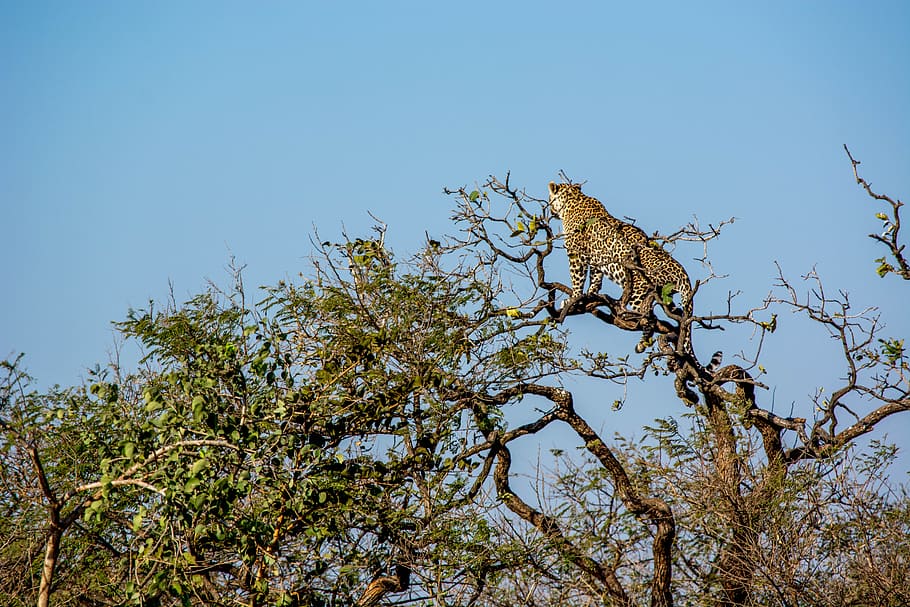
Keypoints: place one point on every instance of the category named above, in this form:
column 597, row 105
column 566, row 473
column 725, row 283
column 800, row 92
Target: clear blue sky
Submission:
column 142, row 143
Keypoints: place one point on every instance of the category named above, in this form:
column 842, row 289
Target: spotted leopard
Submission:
column 599, row 245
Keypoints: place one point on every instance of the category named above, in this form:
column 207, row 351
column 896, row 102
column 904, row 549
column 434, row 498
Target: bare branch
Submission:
column 891, row 227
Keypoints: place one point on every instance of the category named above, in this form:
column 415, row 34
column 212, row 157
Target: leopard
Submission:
column 594, row 242
column 600, row 245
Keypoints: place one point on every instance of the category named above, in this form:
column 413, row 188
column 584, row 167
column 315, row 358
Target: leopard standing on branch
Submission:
column 599, row 245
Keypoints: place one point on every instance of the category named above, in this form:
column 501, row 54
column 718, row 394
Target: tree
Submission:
column 349, row 438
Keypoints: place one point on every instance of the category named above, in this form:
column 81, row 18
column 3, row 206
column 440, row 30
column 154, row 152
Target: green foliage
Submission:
column 884, row 268
column 892, row 350
column 261, row 444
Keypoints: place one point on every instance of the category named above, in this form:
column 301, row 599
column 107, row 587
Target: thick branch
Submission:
column 655, row 510
column 832, row 444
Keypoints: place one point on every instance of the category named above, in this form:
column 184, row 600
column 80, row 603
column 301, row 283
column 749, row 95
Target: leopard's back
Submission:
column 659, row 266
column 662, row 269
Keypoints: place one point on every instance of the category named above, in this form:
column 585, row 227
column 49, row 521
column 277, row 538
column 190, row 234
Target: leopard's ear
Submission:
column 553, row 188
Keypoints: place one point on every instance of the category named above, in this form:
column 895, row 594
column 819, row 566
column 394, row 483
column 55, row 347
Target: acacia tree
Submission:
column 740, row 468
column 349, row 438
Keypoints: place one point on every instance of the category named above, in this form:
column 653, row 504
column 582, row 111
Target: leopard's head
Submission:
column 561, row 194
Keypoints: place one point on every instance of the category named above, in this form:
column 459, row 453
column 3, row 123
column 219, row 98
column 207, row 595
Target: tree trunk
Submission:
column 51, row 552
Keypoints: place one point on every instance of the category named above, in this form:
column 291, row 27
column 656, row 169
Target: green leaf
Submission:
column 93, row 509
column 198, row 405
column 198, row 531
column 892, row 349
column 771, row 325
column 198, row 466
column 519, row 229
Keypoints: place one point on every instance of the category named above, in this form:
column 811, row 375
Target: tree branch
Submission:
column 891, row 225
